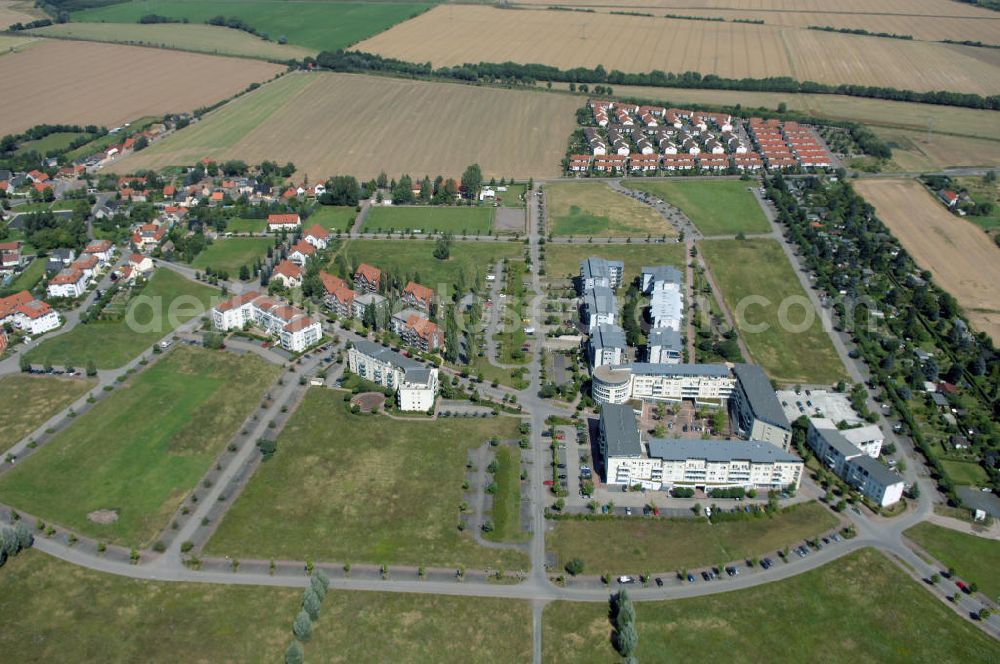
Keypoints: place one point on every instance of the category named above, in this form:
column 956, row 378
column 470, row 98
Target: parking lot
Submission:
column 818, row 403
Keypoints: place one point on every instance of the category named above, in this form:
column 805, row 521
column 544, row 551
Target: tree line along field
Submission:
column 318, row 26
column 184, row 37
column 963, row 259
column 715, row 207
column 759, row 287
column 160, row 432
column 113, row 343
column 459, row 220
column 562, row 261
column 595, row 209
column 345, row 123
column 452, row 35
column 28, row 401
column 68, row 82
column 840, row 612
column 387, row 493
column 51, row 607
column 667, row 545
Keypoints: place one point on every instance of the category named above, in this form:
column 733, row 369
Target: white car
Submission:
column 626, row 579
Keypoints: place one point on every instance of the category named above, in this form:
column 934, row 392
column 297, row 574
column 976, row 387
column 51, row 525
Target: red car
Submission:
column 548, row 483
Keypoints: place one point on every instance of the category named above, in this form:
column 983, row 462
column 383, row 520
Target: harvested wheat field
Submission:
column 107, row 84
column 452, row 35
column 210, row 39
column 911, row 151
column 931, row 7
column 962, row 258
column 17, row 11
column 343, row 123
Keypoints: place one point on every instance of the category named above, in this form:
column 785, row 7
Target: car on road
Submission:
column 766, row 563
column 626, row 579
column 659, row 582
column 732, row 571
column 705, row 576
column 628, row 511
column 690, row 577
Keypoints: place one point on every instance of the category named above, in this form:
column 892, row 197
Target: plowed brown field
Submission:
column 107, row 84
column 962, row 258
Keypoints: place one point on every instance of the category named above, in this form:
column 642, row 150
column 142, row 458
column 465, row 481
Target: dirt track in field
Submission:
column 962, row 258
column 456, row 34
column 108, row 84
column 328, row 124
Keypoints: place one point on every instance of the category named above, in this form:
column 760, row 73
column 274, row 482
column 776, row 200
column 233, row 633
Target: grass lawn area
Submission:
column 661, row 545
column 30, row 400
column 240, row 225
column 111, row 344
column 431, row 219
column 51, row 143
column 415, row 258
column 492, row 373
column 328, row 26
column 595, row 209
column 52, row 607
column 562, row 261
column 974, row 558
column 42, row 207
column 840, row 612
column 512, row 197
column 506, row 515
column 717, row 207
column 759, row 268
column 230, row 254
column 965, row 472
column 142, row 450
column 331, row 217
column 30, row 277
column 387, row 493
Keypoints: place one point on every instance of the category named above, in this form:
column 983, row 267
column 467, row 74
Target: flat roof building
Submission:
column 755, row 410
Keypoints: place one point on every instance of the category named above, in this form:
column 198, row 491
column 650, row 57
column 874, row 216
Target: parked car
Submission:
column 690, row 577
column 659, row 581
column 626, row 579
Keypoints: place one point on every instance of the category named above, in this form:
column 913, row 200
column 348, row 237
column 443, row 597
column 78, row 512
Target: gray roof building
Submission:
column 417, row 376
column 383, row 354
column 711, row 370
column 608, row 336
column 679, row 449
column 601, row 301
column 664, row 336
column 659, row 274
column 865, row 466
column 760, row 395
column 619, row 432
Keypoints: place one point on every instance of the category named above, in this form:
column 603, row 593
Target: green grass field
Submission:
column 416, row 259
column 975, row 559
column 194, row 37
column 51, row 607
column 51, row 143
column 321, row 26
column 230, row 254
column 331, row 217
column 362, row 488
column 563, row 260
column 595, row 209
column 431, row 219
column 506, row 515
column 965, row 472
column 246, row 225
column 717, row 207
column 30, row 400
column 749, row 270
column 143, row 449
column 635, row 545
column 30, row 277
column 512, row 197
column 111, row 344
column 840, row 614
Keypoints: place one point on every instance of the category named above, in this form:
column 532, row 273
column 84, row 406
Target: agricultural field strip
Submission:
column 337, row 123
column 454, row 35
column 190, row 37
column 78, row 78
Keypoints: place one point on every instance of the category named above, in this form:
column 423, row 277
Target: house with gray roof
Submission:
column 607, row 346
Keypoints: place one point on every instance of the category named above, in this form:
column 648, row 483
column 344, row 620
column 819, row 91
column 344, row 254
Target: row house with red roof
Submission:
column 338, row 296
column 283, row 222
column 368, row 278
column 417, row 296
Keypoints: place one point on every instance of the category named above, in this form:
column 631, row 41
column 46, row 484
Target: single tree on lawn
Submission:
column 302, row 628
column 472, row 180
column 627, row 639
column 294, row 653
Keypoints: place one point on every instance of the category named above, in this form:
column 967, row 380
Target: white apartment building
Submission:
column 607, row 346
column 701, row 383
column 666, row 307
column 704, row 464
column 867, row 438
column 416, row 385
column 754, row 409
column 598, row 272
column 858, row 469
column 600, row 306
column 664, row 346
column 69, row 283
column 294, row 330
